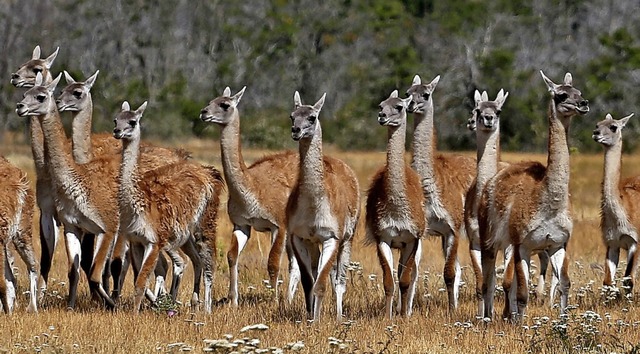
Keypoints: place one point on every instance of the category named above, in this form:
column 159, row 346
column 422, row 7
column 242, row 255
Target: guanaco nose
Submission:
column 14, row 76
column 295, row 130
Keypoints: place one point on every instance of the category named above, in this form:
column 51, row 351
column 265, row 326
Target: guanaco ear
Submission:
column 237, row 97
column 485, row 96
column 550, row 85
column 36, row 53
column 434, row 83
column 68, row 78
column 52, row 86
column 608, row 117
column 394, row 94
column 91, row 80
column 227, row 92
column 318, row 106
column 125, row 106
column 38, row 79
column 416, row 80
column 477, row 97
column 141, row 109
column 568, row 79
column 502, row 96
column 623, row 121
column 406, row 102
column 297, row 102
column 49, row 61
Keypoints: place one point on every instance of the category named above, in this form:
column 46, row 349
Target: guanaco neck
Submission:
column 395, row 175
column 424, row 144
column 37, row 138
column 81, row 133
column 311, row 178
column 611, row 181
column 488, row 156
column 130, row 198
column 233, row 165
column 556, row 180
column 57, row 150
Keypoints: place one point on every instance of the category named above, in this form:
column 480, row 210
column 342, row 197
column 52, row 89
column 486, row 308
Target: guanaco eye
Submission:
column 291, row 117
column 77, row 94
column 426, row 95
column 41, row 97
column 37, row 69
column 312, row 118
column 561, row 96
column 613, row 128
column 498, row 112
column 133, row 123
column 225, row 105
column 399, row 107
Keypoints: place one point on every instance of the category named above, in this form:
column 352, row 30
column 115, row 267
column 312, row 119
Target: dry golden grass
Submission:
column 430, row 329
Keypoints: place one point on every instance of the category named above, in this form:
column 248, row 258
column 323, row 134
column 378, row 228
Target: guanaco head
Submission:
column 304, row 118
column 38, row 100
column 76, row 96
column 487, row 113
column 609, row 131
column 420, row 94
column 568, row 100
column 127, row 122
column 220, row 110
column 393, row 110
column 25, row 76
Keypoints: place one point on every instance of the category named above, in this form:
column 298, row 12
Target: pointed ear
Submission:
column 297, row 102
column 91, row 80
column 434, row 83
column 477, row 97
column 608, row 117
column 416, row 80
column 141, row 109
column 38, row 79
column 237, row 97
column 406, row 102
column 394, row 94
column 68, row 77
column 36, row 53
column 125, row 106
column 227, row 92
column 485, row 96
column 49, row 61
column 52, row 86
column 318, row 106
column 550, row 85
column 624, row 120
column 568, row 79
column 502, row 97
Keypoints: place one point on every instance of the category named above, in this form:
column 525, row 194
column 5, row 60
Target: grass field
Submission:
column 597, row 322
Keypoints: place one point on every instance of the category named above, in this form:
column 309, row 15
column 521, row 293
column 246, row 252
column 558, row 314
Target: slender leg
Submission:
column 476, row 264
column 8, row 294
column 632, row 265
column 560, row 265
column 611, row 264
column 294, row 271
column 327, row 260
column 406, row 275
column 452, row 271
column 149, row 260
column 414, row 277
column 521, row 261
column 178, row 271
column 340, row 274
column 385, row 256
column 241, row 235
column 104, row 247
column 308, row 260
column 278, row 243
column 510, row 291
column 73, row 246
column 206, row 247
column 48, row 233
column 120, row 253
column 543, row 264
column 25, row 250
column 488, row 258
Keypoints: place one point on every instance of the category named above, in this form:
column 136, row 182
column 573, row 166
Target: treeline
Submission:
column 180, row 54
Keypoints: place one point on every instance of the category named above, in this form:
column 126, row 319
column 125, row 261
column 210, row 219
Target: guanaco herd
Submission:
column 132, row 204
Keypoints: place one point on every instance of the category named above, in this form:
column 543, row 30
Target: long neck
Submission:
column 557, row 176
column 424, row 142
column 312, row 165
column 56, row 147
column 395, row 161
column 611, row 181
column 231, row 153
column 81, row 134
column 37, row 144
column 488, row 155
column 129, row 193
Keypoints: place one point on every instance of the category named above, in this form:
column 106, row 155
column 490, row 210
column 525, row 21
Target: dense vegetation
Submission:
column 181, row 54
